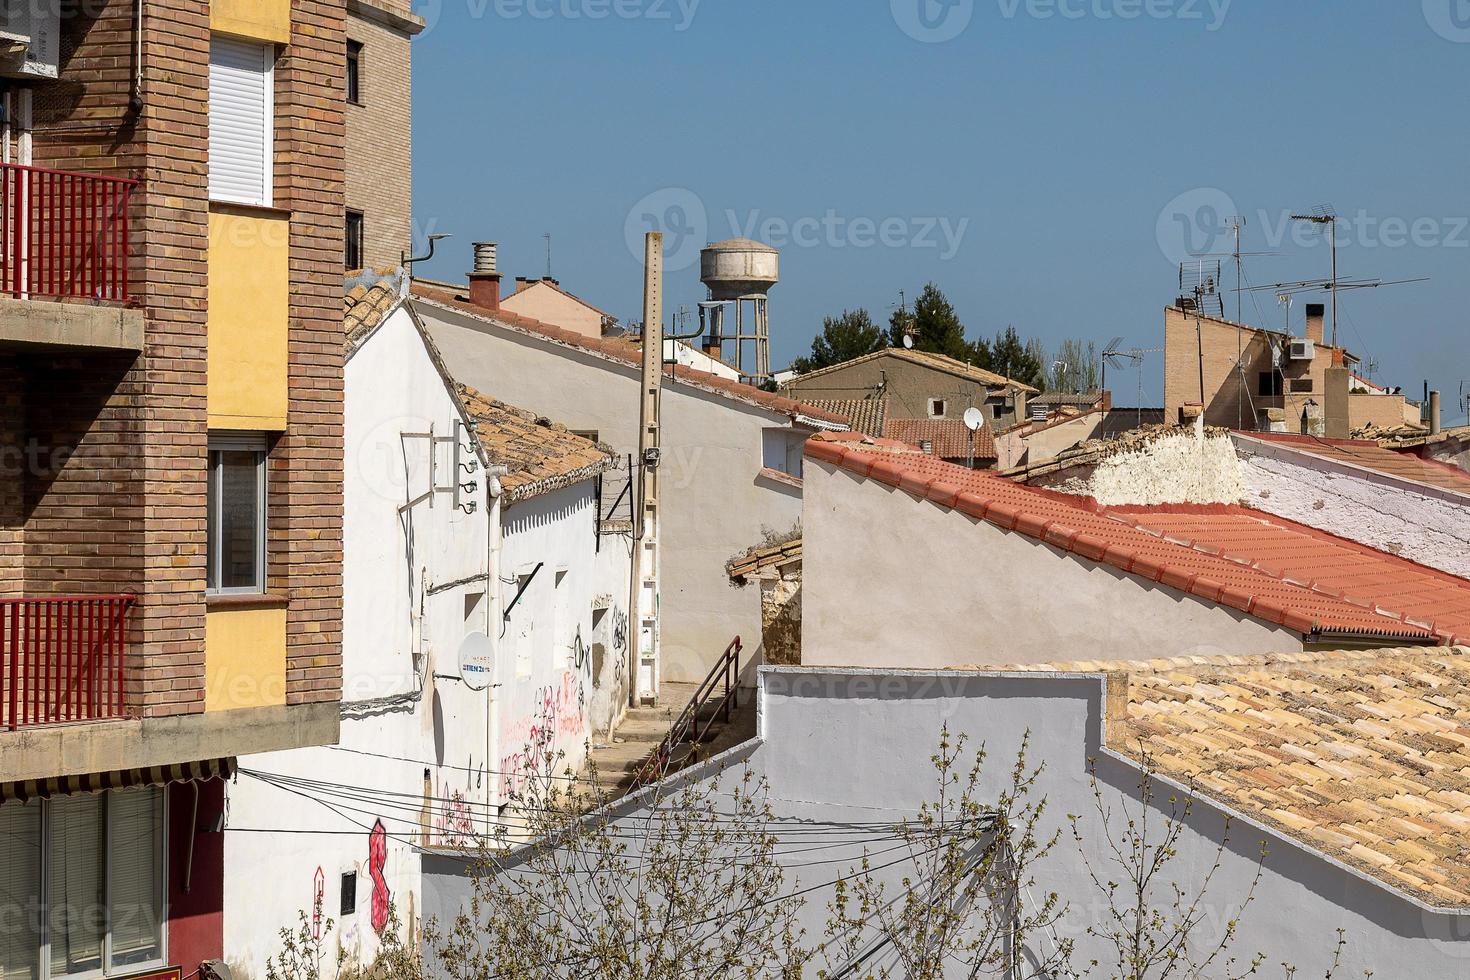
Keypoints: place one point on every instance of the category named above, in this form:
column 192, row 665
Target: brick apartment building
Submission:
column 171, row 245
column 379, row 179
column 1254, row 379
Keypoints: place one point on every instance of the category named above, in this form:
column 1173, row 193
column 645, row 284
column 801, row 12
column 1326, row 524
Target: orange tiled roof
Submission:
column 540, row 454
column 863, row 414
column 1361, row 755
column 951, row 438
column 619, row 349
column 939, row 362
column 364, row 306
column 1370, row 456
column 1269, row 568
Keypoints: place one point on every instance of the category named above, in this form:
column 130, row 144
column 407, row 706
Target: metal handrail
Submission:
column 687, row 726
column 63, row 234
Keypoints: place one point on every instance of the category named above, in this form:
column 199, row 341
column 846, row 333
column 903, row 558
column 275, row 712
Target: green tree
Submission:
column 1011, row 358
column 1076, row 366
column 933, row 325
column 843, row 338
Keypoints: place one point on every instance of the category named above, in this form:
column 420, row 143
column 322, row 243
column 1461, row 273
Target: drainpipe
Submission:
column 495, row 540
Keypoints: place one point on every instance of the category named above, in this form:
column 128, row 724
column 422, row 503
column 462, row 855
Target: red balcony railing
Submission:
column 62, row 234
column 61, row 660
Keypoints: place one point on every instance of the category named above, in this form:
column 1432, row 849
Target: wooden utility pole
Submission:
column 643, row 652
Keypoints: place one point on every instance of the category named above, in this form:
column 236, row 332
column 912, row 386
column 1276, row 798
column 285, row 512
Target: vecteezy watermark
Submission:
column 677, row 14
column 1199, row 222
column 1450, row 19
column 681, row 216
column 1194, row 223
column 935, row 21
column 932, row 21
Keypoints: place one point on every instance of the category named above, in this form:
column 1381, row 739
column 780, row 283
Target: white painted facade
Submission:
column 422, row 755
column 681, row 353
column 891, row 580
column 716, row 502
column 1429, row 525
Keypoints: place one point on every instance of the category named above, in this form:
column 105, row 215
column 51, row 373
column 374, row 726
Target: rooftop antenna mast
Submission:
column 1323, row 214
column 547, row 236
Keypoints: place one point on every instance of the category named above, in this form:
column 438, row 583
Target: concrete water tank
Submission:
column 738, row 268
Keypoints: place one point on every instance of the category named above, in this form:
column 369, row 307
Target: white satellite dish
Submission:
column 974, row 418
column 476, row 661
column 908, row 342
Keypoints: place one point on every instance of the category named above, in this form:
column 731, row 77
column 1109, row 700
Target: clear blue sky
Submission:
column 1042, row 169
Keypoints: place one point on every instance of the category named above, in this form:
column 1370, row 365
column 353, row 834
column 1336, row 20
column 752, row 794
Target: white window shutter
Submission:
column 240, row 121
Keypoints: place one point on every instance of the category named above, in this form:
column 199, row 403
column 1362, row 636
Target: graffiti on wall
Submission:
column 619, row 628
column 558, row 714
column 455, row 824
column 377, row 858
column 318, row 892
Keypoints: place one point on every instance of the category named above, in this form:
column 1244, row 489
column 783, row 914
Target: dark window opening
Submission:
column 349, row 892
column 352, row 253
column 354, row 72
column 1269, row 385
column 1301, row 384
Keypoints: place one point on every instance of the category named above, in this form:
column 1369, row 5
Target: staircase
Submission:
column 694, row 722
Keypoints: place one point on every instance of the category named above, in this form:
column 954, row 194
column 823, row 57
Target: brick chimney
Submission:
column 1316, row 316
column 485, row 280
column 1335, row 381
column 522, row 283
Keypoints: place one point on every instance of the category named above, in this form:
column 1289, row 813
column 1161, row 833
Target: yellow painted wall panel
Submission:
column 249, row 317
column 261, row 20
column 244, row 658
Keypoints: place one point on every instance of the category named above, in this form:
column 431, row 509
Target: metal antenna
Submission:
column 1323, row 214
column 547, row 236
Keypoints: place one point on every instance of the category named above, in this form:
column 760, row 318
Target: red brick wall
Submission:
column 76, row 534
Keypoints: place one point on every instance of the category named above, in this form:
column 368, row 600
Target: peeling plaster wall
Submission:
column 1177, row 468
column 1424, row 524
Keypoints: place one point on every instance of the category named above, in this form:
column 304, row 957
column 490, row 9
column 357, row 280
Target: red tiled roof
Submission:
column 1266, row 567
column 1371, row 456
column 951, row 438
column 618, row 349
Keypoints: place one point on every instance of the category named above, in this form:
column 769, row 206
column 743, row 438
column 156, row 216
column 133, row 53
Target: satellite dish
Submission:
column 974, row 418
column 476, row 661
column 908, row 342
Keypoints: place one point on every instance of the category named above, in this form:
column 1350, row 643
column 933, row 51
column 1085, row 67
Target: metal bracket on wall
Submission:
column 522, row 590
column 454, row 487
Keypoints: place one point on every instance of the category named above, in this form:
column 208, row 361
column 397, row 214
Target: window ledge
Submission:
column 258, row 210
column 245, row 600
column 770, row 473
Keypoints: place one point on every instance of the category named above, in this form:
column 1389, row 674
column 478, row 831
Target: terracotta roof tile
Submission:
column 1370, row 456
column 759, row 559
column 364, row 306
column 620, row 349
column 1267, row 567
column 865, row 415
column 951, row 438
column 1364, row 755
column 541, row 455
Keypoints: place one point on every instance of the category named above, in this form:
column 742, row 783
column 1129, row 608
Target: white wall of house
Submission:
column 1425, row 524
column 546, row 698
column 420, row 751
column 681, row 353
column 890, row 580
column 716, row 502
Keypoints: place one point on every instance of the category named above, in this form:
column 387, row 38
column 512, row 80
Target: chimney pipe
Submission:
column 485, row 279
column 1315, row 317
column 1434, row 413
column 1335, row 421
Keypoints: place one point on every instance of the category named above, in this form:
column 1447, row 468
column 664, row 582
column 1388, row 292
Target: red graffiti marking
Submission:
column 318, row 891
column 377, row 857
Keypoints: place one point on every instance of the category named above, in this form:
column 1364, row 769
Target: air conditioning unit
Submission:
column 30, row 38
column 1301, row 349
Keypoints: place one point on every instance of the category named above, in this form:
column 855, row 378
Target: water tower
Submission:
column 739, row 273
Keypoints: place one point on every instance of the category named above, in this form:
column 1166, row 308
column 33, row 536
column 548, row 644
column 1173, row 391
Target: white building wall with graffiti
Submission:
column 432, row 554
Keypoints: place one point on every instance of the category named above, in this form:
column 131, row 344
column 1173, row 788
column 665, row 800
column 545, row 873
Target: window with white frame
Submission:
column 84, row 873
column 236, row 505
column 241, row 120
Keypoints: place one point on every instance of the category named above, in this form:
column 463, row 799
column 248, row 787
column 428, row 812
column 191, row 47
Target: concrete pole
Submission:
column 643, row 649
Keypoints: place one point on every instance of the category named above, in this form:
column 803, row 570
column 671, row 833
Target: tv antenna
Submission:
column 547, row 236
column 1199, row 287
column 1236, row 224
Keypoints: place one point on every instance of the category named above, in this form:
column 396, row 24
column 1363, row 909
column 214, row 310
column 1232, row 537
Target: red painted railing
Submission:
column 64, row 235
column 61, row 660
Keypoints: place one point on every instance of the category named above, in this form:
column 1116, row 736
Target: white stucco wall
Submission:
column 420, row 751
column 715, row 502
column 1425, row 524
column 895, row 581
